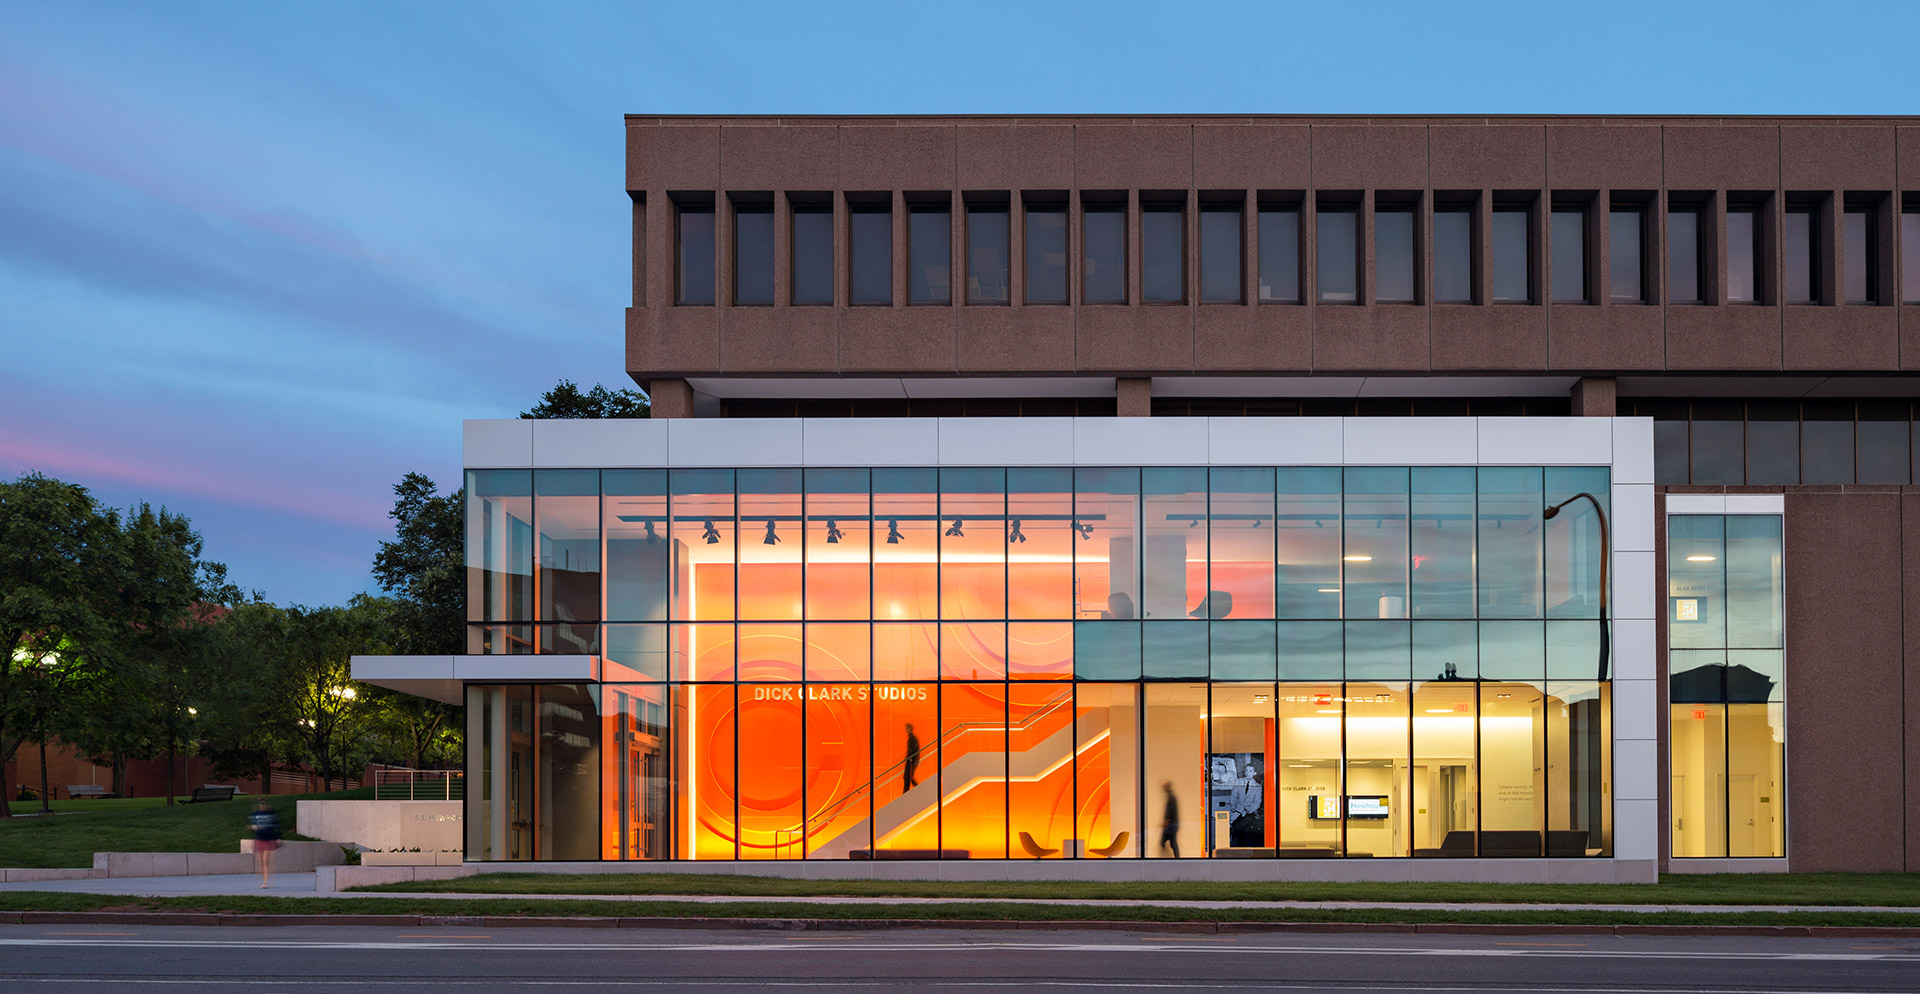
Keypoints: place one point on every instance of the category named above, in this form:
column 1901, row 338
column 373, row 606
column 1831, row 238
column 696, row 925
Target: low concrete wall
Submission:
column 330, row 879
column 383, row 824
column 292, row 857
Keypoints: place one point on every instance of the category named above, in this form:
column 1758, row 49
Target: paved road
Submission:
column 471, row 961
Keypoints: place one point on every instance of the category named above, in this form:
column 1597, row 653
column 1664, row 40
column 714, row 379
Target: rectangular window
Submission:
column 1773, row 442
column 1826, row 442
column 1393, row 255
column 1337, row 255
column 1512, row 255
column 1162, row 253
column 1626, row 257
column 1910, row 254
column 1743, row 255
column 1453, row 255
column 1569, row 245
column 1683, row 256
column 1220, row 265
column 694, row 256
column 1046, row 252
column 870, row 253
column 1884, row 450
column 1803, row 256
column 1103, row 244
column 929, row 254
column 753, row 254
column 1280, row 255
column 1863, row 257
column 812, row 254
column 988, row 263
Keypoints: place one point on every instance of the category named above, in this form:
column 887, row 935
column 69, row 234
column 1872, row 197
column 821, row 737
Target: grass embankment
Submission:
column 970, row 911
column 1849, row 889
column 78, row 829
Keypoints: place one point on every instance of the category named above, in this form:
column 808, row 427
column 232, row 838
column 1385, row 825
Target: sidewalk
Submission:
column 302, row 885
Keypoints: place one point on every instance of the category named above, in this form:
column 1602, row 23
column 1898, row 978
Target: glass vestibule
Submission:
column 1226, row 662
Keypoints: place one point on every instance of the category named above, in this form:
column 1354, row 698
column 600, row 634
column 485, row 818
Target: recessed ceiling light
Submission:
column 1301, row 766
column 1328, row 711
column 1439, row 710
column 1358, row 559
column 1329, row 590
column 1700, row 559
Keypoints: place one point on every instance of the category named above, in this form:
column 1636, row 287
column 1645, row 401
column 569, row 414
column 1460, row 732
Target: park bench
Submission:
column 76, row 791
column 211, row 793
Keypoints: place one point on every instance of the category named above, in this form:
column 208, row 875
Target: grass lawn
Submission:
column 982, row 910
column 79, row 829
column 1855, row 889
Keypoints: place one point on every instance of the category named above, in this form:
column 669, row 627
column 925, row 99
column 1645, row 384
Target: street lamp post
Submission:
column 1605, row 557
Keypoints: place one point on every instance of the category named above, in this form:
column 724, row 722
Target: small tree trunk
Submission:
column 44, row 809
column 119, row 777
column 6, row 796
column 169, row 771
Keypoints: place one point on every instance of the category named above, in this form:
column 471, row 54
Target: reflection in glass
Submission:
column 1572, row 540
column 1040, row 541
column 638, row 544
column 1307, row 537
column 695, row 256
column 1393, row 256
column 1910, row 256
column 1172, row 650
column 1240, row 556
column 499, row 545
column 1337, row 256
column 1512, row 252
column 1453, row 255
column 988, row 262
column 753, row 254
column 1885, row 451
column 1696, row 581
column 1512, row 500
column 1569, row 240
column 929, row 254
column 1826, row 443
column 1861, row 258
column 870, row 253
column 1174, row 559
column 1046, row 252
column 812, row 254
column 1107, row 557
column 1374, row 543
column 1683, row 256
column 1743, row 255
column 1719, row 445
column 635, row 779
column 1442, row 542
column 1624, row 257
column 567, row 509
column 1773, row 442
column 1803, row 257
column 1220, row 255
column 1104, row 252
column 1163, row 237
column 1279, row 255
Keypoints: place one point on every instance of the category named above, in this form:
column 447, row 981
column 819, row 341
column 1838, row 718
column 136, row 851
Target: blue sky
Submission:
column 258, row 260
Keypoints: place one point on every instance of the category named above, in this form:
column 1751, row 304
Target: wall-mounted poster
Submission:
column 1236, row 784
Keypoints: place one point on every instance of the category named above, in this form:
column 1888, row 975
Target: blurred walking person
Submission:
column 266, row 837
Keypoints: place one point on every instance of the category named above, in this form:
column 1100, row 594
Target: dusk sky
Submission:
column 257, row 261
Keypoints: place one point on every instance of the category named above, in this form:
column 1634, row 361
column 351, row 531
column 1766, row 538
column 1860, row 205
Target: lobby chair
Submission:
column 1118, row 844
column 1035, row 849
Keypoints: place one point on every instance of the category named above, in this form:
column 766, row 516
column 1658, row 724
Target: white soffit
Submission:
column 1362, row 386
column 897, row 388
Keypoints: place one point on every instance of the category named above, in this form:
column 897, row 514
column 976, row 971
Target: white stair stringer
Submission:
column 963, row 774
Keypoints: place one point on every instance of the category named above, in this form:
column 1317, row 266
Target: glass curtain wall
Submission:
column 1033, row 663
column 1726, row 693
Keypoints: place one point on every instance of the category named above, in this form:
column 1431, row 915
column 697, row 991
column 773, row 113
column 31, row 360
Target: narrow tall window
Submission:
column 1162, row 253
column 694, row 256
column 1743, row 255
column 1512, row 249
column 1683, row 256
column 1104, row 247
column 1569, row 241
column 1046, row 254
column 812, row 253
column 1393, row 256
column 988, row 265
column 1280, row 255
column 1336, row 256
column 1863, row 257
column 1453, row 255
column 1910, row 254
column 753, row 254
column 929, row 254
column 1803, row 259
column 1220, row 266
column 1625, row 257
column 870, row 253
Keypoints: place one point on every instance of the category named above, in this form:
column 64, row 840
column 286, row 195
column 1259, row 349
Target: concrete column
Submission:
column 671, row 398
column 1593, row 397
column 1133, row 396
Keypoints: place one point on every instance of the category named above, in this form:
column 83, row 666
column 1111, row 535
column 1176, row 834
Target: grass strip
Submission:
column 17, row 901
column 1838, row 889
column 77, row 829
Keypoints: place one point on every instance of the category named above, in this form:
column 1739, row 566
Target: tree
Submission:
column 566, row 401
column 61, row 559
column 424, row 569
column 329, row 710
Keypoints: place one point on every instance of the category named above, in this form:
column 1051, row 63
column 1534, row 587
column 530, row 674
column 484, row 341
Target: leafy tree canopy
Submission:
column 566, row 401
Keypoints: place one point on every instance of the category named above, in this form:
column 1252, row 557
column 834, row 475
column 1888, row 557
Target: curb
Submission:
column 158, row 918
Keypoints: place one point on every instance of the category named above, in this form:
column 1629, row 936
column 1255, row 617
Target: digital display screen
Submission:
column 1358, row 806
column 1323, row 807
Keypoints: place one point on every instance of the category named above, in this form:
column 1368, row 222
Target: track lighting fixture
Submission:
column 1195, row 523
column 711, row 534
column 1013, row 532
column 771, row 538
column 1085, row 530
column 893, row 532
column 955, row 532
column 653, row 537
column 833, row 532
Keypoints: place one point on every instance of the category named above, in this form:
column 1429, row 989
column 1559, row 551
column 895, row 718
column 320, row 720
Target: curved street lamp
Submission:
column 1605, row 557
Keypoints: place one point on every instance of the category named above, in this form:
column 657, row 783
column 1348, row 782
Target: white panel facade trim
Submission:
column 1411, row 441
column 1636, row 828
column 1632, row 450
column 496, row 444
column 1635, row 769
column 870, row 441
column 1633, row 585
column 1756, row 503
column 734, row 442
column 529, row 669
column 1545, row 441
column 1006, row 442
column 1696, row 504
column 615, row 443
column 1274, row 441
column 1139, row 441
column 1633, row 517
column 1636, row 704
column 401, row 667
column 1633, row 649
